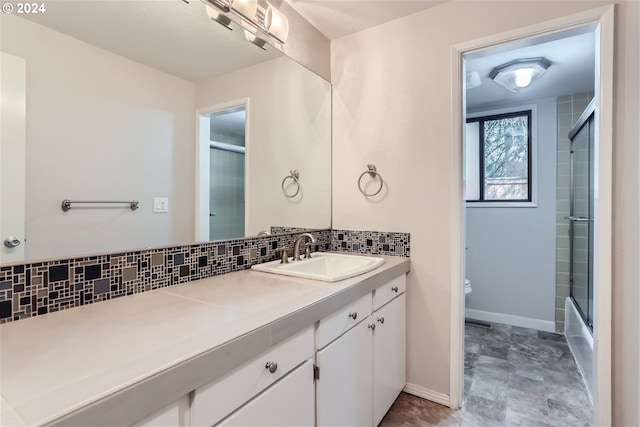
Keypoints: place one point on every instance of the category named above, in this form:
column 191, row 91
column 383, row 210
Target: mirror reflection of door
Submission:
column 227, row 174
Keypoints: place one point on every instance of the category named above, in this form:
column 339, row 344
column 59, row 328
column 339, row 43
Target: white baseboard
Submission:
column 510, row 319
column 425, row 393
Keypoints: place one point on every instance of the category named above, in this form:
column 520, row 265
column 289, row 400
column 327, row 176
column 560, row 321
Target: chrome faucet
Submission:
column 296, row 246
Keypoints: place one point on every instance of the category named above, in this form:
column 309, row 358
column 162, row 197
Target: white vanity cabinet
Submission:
column 389, row 355
column 362, row 369
column 174, row 415
column 343, row 391
column 257, row 392
column 289, row 402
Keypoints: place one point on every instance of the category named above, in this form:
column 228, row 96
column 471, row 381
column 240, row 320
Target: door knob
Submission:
column 11, row 242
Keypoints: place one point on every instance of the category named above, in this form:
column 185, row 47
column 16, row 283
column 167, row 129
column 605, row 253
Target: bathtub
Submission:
column 580, row 341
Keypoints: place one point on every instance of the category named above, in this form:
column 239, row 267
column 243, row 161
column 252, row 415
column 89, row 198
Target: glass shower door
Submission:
column 581, row 221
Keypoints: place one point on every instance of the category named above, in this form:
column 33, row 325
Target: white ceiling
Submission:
column 572, row 70
column 170, row 35
column 337, row 18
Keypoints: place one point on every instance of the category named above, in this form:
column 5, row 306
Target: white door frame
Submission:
column 202, row 165
column 604, row 18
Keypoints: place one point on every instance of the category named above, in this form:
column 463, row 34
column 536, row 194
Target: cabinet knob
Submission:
column 372, row 326
column 354, row 315
column 381, row 319
column 272, row 366
column 394, row 289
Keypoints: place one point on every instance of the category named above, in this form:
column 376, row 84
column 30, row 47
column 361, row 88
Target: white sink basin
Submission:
column 328, row 267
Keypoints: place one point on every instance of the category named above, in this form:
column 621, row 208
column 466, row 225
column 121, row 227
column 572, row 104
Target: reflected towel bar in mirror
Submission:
column 66, row 203
column 294, row 175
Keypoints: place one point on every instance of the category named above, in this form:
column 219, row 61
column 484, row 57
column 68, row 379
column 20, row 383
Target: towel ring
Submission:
column 294, row 175
column 373, row 172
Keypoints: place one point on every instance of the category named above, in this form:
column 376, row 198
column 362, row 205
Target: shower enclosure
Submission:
column 581, row 214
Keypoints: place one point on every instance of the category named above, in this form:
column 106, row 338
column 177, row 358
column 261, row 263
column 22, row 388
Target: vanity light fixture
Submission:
column 520, row 73
column 268, row 20
column 276, row 23
column 253, row 38
column 219, row 17
column 246, row 8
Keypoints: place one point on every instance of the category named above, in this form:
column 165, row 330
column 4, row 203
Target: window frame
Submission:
column 531, row 112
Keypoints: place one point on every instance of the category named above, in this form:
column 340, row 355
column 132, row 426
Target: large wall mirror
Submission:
column 153, row 101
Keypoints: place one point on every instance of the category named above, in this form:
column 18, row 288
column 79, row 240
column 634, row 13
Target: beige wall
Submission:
column 100, row 126
column 286, row 130
column 392, row 106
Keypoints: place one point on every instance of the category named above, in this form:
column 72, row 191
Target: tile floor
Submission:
column 512, row 377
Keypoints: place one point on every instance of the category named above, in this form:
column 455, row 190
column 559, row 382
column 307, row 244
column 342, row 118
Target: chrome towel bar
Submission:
column 577, row 218
column 66, row 203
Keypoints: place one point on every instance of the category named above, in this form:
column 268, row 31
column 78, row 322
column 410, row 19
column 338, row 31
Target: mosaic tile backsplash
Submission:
column 43, row 287
column 371, row 242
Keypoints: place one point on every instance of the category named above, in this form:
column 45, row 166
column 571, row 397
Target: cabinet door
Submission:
column 389, row 349
column 343, row 391
column 289, row 402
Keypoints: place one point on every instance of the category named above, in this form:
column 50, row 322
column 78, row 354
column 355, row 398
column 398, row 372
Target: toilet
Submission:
column 467, row 287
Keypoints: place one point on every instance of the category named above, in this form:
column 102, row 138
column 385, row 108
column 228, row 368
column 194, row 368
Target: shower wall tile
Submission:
column 39, row 288
column 569, row 108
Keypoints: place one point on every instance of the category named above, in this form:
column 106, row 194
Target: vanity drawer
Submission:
column 389, row 291
column 334, row 325
column 216, row 400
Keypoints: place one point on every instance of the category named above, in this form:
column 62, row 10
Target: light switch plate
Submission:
column 160, row 205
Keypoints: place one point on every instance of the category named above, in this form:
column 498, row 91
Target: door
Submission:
column 227, row 174
column 12, row 158
column 343, row 391
column 581, row 220
column 389, row 348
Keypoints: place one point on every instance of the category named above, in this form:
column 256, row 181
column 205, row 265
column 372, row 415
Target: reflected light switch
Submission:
column 160, row 205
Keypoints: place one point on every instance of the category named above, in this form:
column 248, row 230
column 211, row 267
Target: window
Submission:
column 498, row 158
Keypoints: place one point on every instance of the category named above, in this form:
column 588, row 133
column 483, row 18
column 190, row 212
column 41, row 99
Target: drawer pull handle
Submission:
column 381, row 319
column 394, row 289
column 354, row 315
column 372, row 326
column 272, row 366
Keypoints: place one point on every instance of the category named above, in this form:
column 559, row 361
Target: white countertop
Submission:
column 59, row 363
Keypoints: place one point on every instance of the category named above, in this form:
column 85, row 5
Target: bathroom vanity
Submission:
column 244, row 348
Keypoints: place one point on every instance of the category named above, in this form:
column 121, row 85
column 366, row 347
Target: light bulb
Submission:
column 276, row 23
column 246, row 8
column 523, row 77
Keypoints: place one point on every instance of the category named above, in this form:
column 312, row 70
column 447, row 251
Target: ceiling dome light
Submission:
column 523, row 77
column 519, row 74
